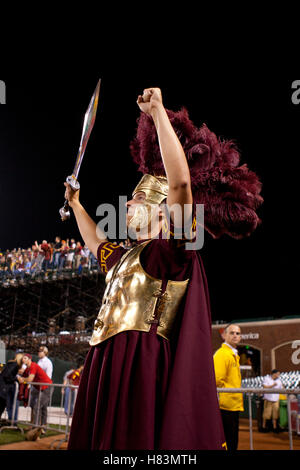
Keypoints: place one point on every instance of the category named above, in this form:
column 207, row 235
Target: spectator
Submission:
column 39, row 258
column 39, row 407
column 76, row 375
column 78, row 250
column 56, row 251
column 68, row 393
column 35, row 255
column 63, row 253
column 228, row 375
column 46, row 250
column 23, row 395
column 271, row 400
column 85, row 253
column 44, row 362
column 93, row 262
column 74, row 378
column 8, row 378
column 71, row 253
column 27, row 265
column 3, row 267
column 51, row 245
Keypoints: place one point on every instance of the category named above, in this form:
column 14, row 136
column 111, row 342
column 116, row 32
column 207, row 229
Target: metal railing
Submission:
column 12, row 421
column 14, row 424
column 261, row 391
column 61, row 428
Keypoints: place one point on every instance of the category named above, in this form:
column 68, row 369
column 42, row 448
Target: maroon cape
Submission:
column 140, row 391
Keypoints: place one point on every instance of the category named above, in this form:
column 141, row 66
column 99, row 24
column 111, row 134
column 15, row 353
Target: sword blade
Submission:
column 88, row 124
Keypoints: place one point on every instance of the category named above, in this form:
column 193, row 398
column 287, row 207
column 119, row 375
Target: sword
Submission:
column 89, row 120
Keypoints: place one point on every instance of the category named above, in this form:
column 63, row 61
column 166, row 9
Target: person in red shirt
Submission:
column 46, row 249
column 36, row 374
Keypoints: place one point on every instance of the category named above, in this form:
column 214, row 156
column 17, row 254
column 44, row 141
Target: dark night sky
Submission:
column 40, row 128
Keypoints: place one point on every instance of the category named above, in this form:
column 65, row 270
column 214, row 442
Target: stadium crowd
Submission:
column 44, row 257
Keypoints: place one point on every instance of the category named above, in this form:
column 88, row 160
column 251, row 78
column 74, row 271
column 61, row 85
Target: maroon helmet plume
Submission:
column 230, row 193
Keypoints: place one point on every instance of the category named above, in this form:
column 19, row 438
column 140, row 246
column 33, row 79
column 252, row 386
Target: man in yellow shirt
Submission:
column 228, row 375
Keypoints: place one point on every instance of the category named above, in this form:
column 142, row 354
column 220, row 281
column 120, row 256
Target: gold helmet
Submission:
column 155, row 187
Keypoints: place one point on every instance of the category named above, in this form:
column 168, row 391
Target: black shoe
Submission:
column 264, row 430
column 276, row 430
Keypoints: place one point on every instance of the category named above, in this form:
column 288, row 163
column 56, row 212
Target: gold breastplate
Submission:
column 133, row 300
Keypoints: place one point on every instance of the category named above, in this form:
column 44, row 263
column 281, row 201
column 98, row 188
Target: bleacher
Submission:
column 290, row 380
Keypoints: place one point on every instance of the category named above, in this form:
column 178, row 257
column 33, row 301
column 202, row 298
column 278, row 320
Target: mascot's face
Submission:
column 142, row 216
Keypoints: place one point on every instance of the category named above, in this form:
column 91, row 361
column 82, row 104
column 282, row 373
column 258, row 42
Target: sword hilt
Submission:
column 72, row 181
column 65, row 213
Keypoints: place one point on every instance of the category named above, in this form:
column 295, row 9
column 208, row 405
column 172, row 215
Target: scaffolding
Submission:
column 57, row 311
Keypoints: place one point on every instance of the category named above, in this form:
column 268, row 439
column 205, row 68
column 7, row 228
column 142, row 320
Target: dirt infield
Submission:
column 45, row 443
column 269, row 441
